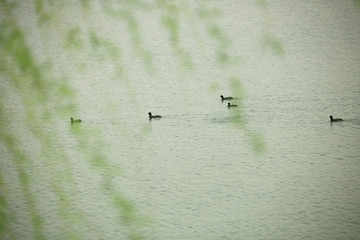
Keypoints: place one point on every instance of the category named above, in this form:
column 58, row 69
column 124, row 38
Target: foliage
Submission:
column 36, row 92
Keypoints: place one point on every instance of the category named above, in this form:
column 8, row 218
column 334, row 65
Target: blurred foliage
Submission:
column 29, row 82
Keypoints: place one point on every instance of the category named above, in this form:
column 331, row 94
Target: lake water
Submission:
column 194, row 173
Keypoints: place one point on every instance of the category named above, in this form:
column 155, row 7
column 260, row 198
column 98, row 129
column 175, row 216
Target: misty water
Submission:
column 280, row 171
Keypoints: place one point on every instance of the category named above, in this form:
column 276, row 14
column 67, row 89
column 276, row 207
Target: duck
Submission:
column 335, row 119
column 231, row 105
column 75, row 120
column 226, row 98
column 153, row 116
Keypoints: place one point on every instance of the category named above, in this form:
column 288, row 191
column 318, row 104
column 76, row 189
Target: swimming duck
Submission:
column 75, row 121
column 335, row 119
column 153, row 116
column 231, row 105
column 226, row 98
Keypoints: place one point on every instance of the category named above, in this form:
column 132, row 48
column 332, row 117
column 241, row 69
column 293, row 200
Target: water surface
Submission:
column 194, row 173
